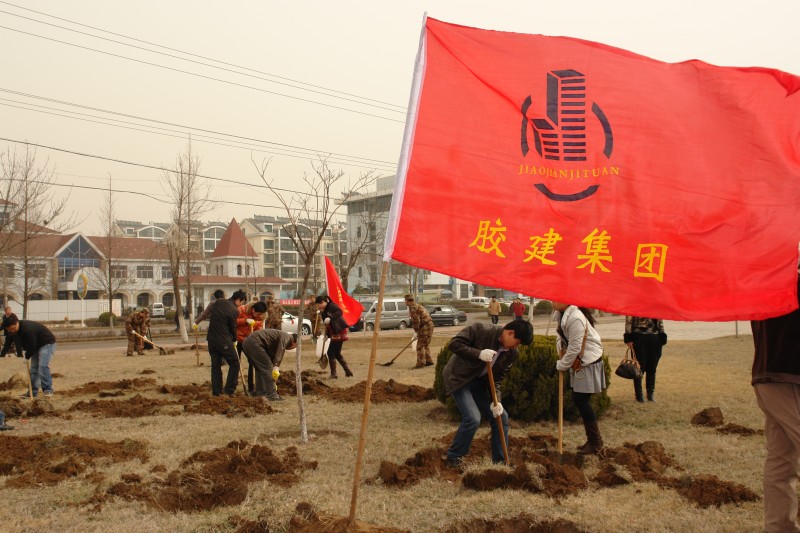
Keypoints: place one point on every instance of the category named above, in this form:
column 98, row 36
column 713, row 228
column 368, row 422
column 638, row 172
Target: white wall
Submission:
column 56, row 310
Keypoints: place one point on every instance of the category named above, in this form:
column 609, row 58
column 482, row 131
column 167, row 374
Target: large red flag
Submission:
column 351, row 308
column 574, row 171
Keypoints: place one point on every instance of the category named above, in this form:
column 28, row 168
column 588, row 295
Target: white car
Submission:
column 290, row 324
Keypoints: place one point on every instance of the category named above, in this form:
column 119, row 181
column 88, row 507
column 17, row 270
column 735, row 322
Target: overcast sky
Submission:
column 354, row 60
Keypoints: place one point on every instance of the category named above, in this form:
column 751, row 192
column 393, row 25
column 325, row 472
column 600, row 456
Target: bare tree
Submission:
column 113, row 275
column 190, row 197
column 309, row 215
column 364, row 243
column 29, row 212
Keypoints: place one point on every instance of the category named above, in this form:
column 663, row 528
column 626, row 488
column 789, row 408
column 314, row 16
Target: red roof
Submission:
column 233, row 243
column 125, row 248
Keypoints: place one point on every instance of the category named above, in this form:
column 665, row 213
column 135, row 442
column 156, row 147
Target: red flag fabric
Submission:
column 351, row 308
column 574, row 171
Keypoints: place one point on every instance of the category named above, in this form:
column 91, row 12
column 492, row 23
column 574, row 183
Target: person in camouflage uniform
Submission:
column 274, row 314
column 422, row 323
column 313, row 315
column 138, row 322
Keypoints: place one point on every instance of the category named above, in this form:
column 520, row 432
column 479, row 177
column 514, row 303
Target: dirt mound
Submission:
column 706, row 490
column 523, row 522
column 24, row 408
column 736, row 429
column 710, row 416
column 229, row 406
column 194, row 390
column 546, row 476
column 48, row 459
column 382, row 391
column 147, row 371
column 95, row 387
column 211, row 479
column 17, row 381
column 425, row 464
column 308, row 520
column 135, row 407
column 645, row 461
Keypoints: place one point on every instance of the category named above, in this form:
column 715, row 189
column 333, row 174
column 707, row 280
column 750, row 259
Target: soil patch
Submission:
column 710, row 416
column 523, row 522
column 17, row 381
column 135, row 407
column 193, row 391
column 95, row 387
column 382, row 391
column 211, row 479
column 49, row 459
column 707, row 490
column 25, row 408
column 308, row 520
column 736, row 429
column 229, row 406
column 147, row 371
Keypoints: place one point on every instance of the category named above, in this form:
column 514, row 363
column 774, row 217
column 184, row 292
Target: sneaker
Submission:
column 26, row 395
column 48, row 393
column 274, row 398
column 429, row 363
column 455, row 462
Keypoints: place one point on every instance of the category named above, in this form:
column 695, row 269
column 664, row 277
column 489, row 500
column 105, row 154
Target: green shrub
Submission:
column 105, row 318
column 169, row 316
column 530, row 387
column 543, row 307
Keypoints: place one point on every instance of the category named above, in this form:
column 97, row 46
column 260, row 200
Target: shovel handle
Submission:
column 499, row 419
column 560, row 413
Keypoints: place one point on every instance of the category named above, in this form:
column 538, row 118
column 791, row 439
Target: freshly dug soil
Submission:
column 523, row 522
column 95, row 387
column 306, row 519
column 710, row 416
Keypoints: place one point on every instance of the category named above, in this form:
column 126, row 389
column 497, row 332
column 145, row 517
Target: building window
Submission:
column 119, row 271
column 128, row 231
column 37, row 271
column 247, row 270
column 268, row 228
column 269, row 244
column 328, row 247
column 143, row 300
column 77, row 255
column 288, row 272
column 360, row 272
column 8, row 270
column 358, row 232
column 144, row 272
column 289, row 258
column 328, row 232
column 153, row 233
column 166, row 273
column 269, row 258
column 269, row 272
column 168, row 299
column 238, row 270
column 196, row 270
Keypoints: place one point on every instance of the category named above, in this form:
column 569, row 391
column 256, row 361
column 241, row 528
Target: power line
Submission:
column 401, row 108
column 136, row 117
column 200, row 137
column 228, row 82
column 144, row 165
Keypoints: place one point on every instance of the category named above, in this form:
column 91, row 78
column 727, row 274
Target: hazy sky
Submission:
column 355, row 60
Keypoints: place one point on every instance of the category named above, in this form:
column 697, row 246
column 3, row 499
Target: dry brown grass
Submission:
column 693, row 375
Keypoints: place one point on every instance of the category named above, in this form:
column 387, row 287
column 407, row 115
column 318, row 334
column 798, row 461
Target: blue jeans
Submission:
column 473, row 401
column 40, row 369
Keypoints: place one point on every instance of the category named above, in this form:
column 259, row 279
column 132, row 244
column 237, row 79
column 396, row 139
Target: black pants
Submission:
column 648, row 352
column 218, row 353
column 495, row 319
column 582, row 402
column 335, row 352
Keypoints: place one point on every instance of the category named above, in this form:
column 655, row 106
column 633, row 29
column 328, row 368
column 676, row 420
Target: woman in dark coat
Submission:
column 336, row 327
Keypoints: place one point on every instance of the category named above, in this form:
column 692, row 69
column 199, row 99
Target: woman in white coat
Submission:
column 577, row 339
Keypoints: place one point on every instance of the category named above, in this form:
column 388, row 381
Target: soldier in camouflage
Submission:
column 138, row 321
column 274, row 314
column 422, row 323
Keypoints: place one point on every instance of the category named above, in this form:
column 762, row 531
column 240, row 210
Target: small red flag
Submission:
column 578, row 172
column 351, row 308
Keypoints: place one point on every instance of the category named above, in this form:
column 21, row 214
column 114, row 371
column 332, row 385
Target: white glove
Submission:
column 487, row 355
column 327, row 321
column 276, row 373
column 250, row 321
column 497, row 409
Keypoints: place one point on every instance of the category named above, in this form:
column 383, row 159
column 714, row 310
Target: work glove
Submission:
column 497, row 409
column 487, row 355
column 195, row 327
column 236, row 345
column 276, row 373
column 250, row 322
column 327, row 321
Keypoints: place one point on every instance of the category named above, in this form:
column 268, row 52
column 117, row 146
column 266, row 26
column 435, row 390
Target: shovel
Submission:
column 560, row 418
column 161, row 350
column 322, row 351
column 390, row 363
column 30, row 383
column 499, row 419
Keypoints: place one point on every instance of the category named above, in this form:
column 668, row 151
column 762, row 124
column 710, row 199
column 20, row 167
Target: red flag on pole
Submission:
column 351, row 308
column 578, row 172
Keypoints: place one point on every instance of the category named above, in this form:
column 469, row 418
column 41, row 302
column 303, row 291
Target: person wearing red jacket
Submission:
column 251, row 318
column 518, row 309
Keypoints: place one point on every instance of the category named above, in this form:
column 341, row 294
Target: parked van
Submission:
column 394, row 314
column 483, row 301
column 157, row 310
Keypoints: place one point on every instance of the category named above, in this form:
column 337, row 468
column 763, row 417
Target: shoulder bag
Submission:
column 629, row 366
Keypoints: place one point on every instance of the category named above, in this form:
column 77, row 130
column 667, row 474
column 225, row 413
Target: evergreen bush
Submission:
column 105, row 318
column 530, row 387
column 543, row 307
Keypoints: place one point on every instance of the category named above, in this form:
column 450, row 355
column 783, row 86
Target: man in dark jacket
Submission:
column 221, row 339
column 8, row 344
column 466, row 380
column 39, row 345
column 776, row 381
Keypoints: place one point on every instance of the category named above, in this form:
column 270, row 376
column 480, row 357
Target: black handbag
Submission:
column 629, row 366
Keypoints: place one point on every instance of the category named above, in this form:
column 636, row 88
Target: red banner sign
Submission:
column 574, row 171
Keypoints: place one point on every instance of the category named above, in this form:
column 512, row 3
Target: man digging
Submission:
column 264, row 349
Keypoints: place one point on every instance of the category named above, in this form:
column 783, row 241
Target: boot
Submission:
column 637, row 390
column 650, row 395
column 346, row 368
column 595, row 441
column 332, row 364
